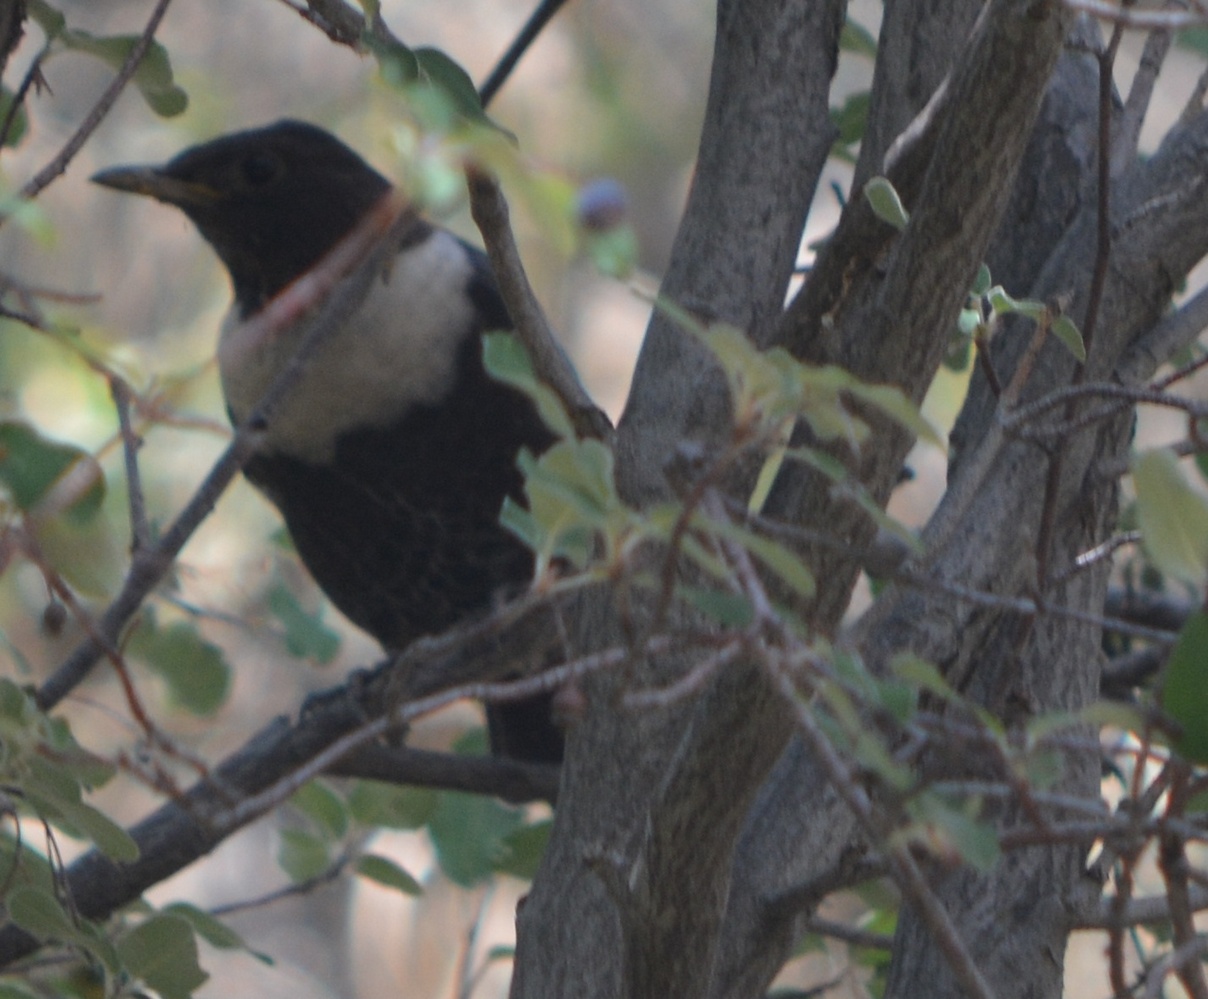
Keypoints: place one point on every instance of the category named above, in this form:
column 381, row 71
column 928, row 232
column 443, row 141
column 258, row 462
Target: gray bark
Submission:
column 685, row 857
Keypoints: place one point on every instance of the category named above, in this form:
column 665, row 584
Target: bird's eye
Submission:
column 260, row 169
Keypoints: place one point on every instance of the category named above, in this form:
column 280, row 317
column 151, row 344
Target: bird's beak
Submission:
column 155, row 183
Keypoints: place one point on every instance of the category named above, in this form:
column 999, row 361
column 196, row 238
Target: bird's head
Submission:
column 271, row 201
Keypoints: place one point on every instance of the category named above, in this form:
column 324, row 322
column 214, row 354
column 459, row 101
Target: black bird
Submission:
column 390, row 460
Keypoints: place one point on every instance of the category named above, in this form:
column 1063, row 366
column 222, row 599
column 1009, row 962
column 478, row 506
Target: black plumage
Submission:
column 391, row 459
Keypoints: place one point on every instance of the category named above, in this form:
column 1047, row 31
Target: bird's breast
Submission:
column 399, row 349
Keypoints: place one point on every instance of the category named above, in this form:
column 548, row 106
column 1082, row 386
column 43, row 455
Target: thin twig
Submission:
column 1151, row 20
column 849, row 934
column 100, row 109
column 490, row 213
column 325, row 877
column 1172, row 861
column 902, row 866
column 1124, row 151
column 330, row 291
column 1188, row 953
column 140, row 530
column 32, row 75
column 1138, row 911
column 258, row 804
column 537, row 21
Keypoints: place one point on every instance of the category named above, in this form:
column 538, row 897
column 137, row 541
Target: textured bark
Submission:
column 627, row 901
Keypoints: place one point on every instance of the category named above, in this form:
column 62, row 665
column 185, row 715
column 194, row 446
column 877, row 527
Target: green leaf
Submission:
column 48, row 18
column 387, row 873
column 197, row 675
column 852, row 118
column 1185, row 688
column 39, row 913
column 324, row 807
column 396, row 62
column 306, row 636
column 153, row 78
column 14, row 988
column 302, row 855
column 108, row 837
column 507, row 360
column 614, row 252
column 438, row 69
column 776, row 557
column 375, row 803
column 894, row 403
column 730, row 610
column 20, row 123
column 523, row 850
column 32, row 466
column 1195, row 39
column 211, row 929
column 981, row 283
column 858, row 39
column 571, row 499
column 954, row 825
column 162, row 953
column 886, row 204
column 1173, row 517
column 923, row 675
column 1003, row 304
column 1066, row 330
column 470, row 833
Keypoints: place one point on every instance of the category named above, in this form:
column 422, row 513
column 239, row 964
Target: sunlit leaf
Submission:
column 1173, row 517
column 1066, row 330
column 886, row 204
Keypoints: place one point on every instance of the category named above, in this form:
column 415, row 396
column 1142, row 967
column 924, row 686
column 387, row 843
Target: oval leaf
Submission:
column 886, row 204
column 1185, row 688
column 1173, row 517
column 388, row 874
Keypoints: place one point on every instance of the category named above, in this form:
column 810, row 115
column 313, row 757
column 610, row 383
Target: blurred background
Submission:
column 613, row 88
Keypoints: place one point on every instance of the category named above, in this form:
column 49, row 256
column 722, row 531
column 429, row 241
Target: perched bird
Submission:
column 391, row 458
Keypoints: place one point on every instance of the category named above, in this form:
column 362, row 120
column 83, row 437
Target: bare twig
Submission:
column 1130, row 17
column 325, row 877
column 33, row 75
column 536, row 23
column 849, row 934
column 140, row 531
column 256, row 805
column 1172, row 861
column 329, row 292
column 901, row 864
column 1124, row 150
column 490, row 212
column 96, row 115
column 505, row 778
column 1180, row 957
column 1153, row 909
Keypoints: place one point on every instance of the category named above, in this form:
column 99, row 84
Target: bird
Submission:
column 391, row 458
